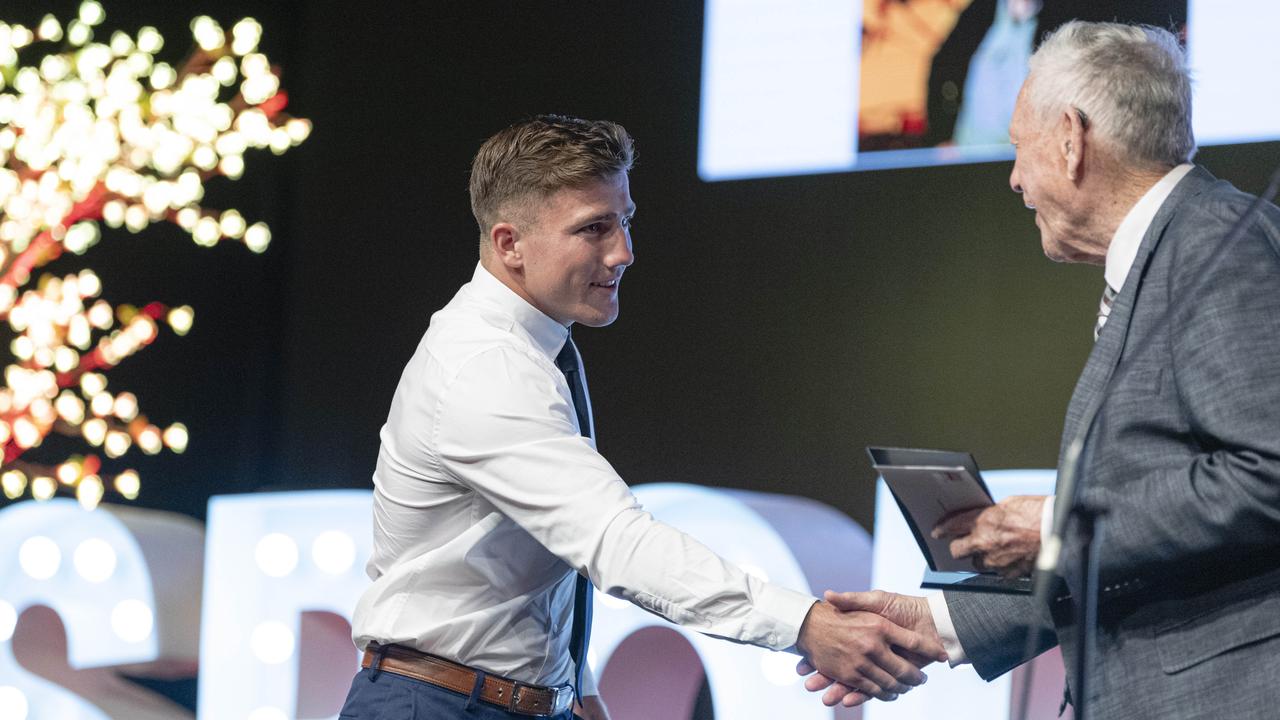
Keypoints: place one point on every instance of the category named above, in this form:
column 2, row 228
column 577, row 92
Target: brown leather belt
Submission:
column 511, row 695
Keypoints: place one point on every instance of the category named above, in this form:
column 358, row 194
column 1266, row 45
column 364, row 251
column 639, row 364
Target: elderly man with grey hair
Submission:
column 1183, row 453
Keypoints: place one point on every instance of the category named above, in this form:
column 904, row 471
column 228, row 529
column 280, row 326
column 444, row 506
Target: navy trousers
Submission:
column 382, row 695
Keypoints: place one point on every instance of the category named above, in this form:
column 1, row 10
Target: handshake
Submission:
column 863, row 645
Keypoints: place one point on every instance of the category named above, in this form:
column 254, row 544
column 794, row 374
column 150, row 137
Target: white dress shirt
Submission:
column 1121, row 253
column 488, row 500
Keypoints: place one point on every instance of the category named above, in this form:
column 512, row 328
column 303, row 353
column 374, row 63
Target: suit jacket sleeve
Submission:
column 992, row 629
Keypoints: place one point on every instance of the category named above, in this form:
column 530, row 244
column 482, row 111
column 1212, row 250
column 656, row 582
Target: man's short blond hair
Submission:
column 537, row 157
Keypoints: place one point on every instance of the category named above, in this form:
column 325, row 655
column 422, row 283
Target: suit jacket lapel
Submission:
column 1111, row 342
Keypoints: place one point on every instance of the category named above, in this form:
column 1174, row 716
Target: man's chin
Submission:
column 598, row 319
column 1054, row 251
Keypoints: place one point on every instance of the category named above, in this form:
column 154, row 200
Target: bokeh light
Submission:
column 271, row 642
column 333, row 551
column 39, row 557
column 13, row 703
column 132, row 621
column 276, row 554
column 95, row 560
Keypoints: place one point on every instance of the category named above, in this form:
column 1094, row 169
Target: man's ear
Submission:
column 1071, row 131
column 504, row 241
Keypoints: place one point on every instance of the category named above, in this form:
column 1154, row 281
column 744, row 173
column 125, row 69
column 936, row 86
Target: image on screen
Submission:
column 828, row 86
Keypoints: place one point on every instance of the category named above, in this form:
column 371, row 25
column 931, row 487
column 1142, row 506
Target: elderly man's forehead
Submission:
column 1018, row 119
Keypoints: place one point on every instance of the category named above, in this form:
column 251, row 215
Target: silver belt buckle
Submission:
column 562, row 699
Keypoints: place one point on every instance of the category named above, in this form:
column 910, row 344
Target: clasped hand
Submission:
column 867, row 645
column 883, row 659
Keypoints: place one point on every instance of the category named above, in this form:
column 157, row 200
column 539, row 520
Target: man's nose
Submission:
column 622, row 255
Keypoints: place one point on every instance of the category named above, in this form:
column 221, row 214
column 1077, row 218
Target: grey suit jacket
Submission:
column 1185, row 457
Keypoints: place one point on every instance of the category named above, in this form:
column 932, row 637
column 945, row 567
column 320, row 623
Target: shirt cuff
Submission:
column 946, row 629
column 1046, row 520
column 784, row 610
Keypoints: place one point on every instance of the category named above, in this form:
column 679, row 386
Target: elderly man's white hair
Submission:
column 1130, row 82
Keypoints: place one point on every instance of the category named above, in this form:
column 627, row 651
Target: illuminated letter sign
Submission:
column 794, row 542
column 272, row 558
column 97, row 571
column 126, row 585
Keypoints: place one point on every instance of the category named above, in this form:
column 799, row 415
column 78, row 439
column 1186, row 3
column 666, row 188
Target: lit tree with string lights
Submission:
column 99, row 130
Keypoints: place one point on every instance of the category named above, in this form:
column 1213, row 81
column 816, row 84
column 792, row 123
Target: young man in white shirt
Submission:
column 490, row 498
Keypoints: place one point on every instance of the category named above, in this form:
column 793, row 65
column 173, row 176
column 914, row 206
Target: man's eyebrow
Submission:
column 607, row 215
column 599, row 217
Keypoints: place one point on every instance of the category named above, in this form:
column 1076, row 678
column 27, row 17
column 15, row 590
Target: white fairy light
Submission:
column 14, row 484
column 117, row 443
column 70, row 407
column 181, row 319
column 207, row 33
column 49, row 29
column 280, row 141
column 206, row 232
column 43, row 487
column 299, row 130
column 90, row 491
column 128, row 484
column 176, row 438
column 224, row 70
column 135, row 218
column 125, row 406
column 163, row 76
column 91, row 12
column 245, row 36
column 94, row 431
column 149, row 440
column 188, row 217
column 257, row 237
column 232, row 224
column 232, row 166
column 121, row 44
column 150, row 40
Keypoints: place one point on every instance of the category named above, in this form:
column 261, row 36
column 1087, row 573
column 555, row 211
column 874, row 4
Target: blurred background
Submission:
column 771, row 328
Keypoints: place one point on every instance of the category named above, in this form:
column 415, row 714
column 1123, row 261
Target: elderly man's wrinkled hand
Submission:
column 1002, row 538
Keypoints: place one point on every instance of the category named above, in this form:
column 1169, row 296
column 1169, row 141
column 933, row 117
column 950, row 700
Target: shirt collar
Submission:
column 1124, row 245
column 545, row 332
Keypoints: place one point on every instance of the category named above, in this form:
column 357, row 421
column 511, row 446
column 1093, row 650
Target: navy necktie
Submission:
column 580, row 635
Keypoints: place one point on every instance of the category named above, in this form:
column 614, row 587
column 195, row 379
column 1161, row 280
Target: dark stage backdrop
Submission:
column 770, row 328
